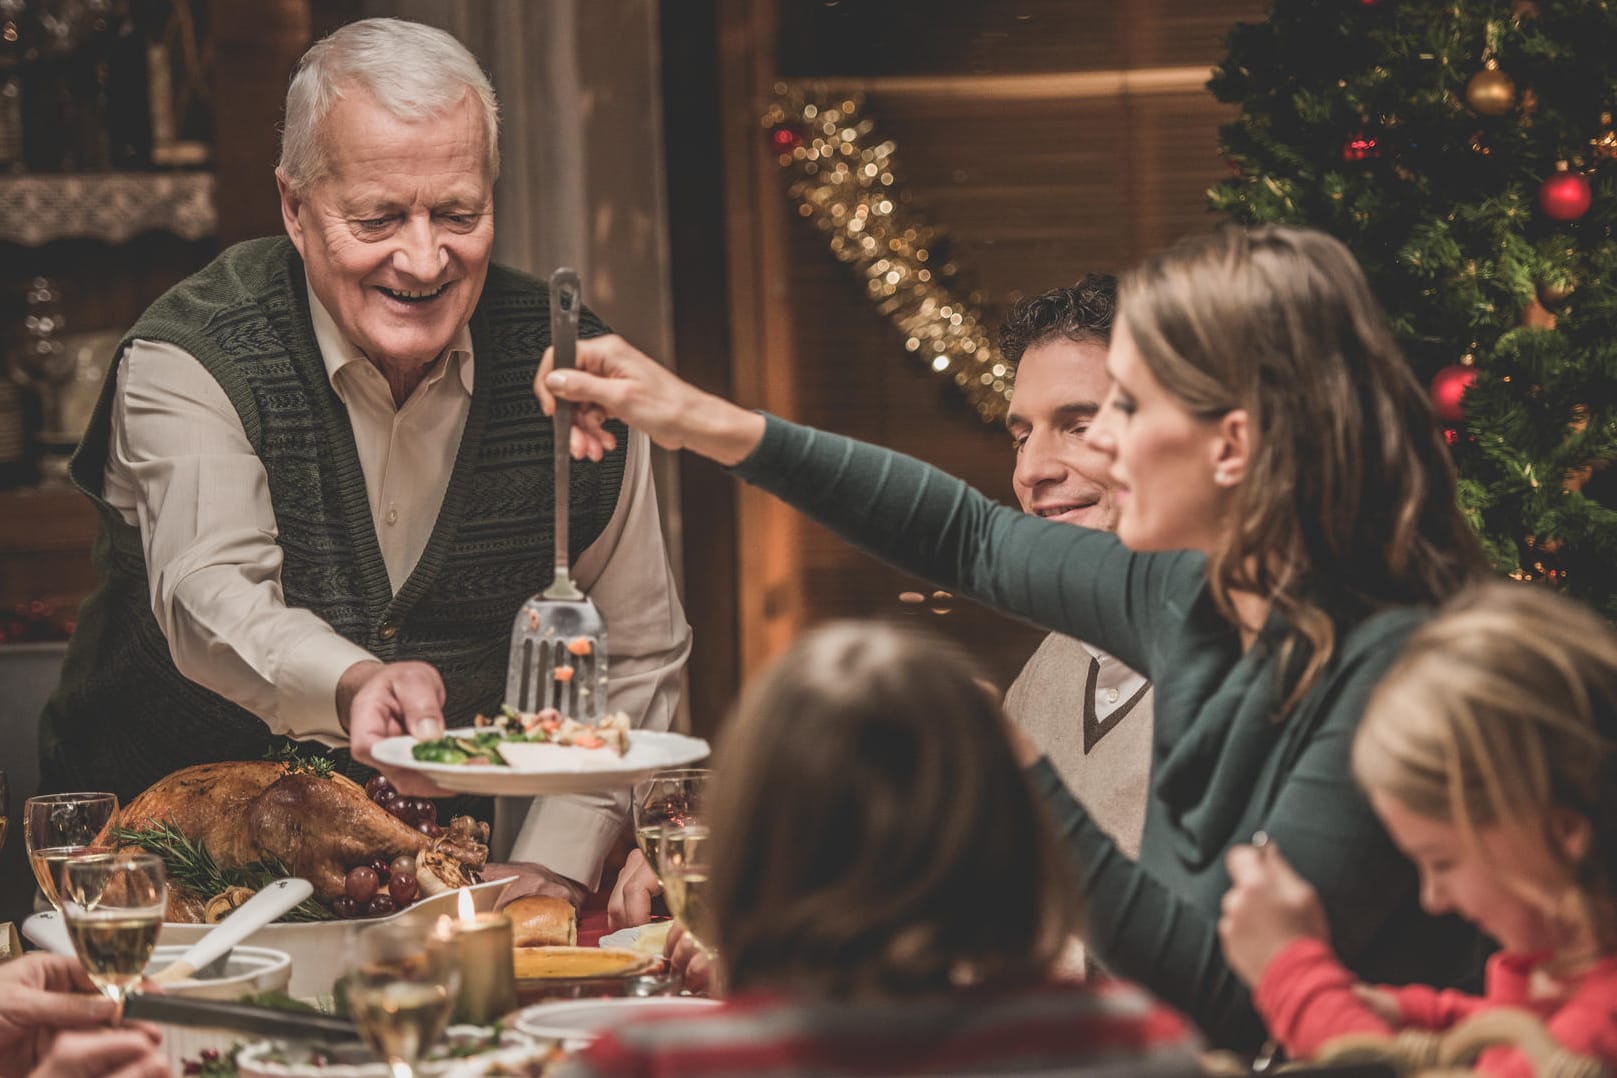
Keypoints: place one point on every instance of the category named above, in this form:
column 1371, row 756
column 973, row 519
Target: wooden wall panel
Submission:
column 1046, row 138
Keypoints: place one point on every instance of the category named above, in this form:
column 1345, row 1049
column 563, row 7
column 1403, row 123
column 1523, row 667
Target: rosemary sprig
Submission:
column 321, row 767
column 190, row 865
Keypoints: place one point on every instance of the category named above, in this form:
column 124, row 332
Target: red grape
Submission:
column 428, row 828
column 403, row 808
column 425, row 810
column 402, row 863
column 375, row 785
column 361, row 883
column 344, row 907
column 402, row 887
column 379, row 866
column 381, row 906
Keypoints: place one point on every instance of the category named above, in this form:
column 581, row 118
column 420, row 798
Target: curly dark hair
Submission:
column 1083, row 312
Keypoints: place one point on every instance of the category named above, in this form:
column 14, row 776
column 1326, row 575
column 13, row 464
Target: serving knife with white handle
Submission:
column 272, row 900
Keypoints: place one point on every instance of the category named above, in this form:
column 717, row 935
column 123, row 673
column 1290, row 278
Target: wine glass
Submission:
column 113, row 904
column 683, row 862
column 60, row 827
column 672, row 797
column 401, row 984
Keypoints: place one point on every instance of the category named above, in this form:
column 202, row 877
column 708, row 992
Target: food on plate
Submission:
column 524, row 739
column 567, row 963
column 651, row 938
column 225, row 829
column 541, row 920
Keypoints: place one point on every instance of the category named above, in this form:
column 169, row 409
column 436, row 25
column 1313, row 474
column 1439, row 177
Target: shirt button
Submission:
column 388, row 631
column 392, row 516
column 1112, row 695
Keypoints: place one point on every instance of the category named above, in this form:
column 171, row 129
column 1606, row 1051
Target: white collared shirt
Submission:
column 180, row 468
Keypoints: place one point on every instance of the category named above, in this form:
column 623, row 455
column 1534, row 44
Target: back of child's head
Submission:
column 872, row 832
column 1503, row 708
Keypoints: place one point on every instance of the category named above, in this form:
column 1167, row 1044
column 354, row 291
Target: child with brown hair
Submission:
column 886, row 895
column 1490, row 753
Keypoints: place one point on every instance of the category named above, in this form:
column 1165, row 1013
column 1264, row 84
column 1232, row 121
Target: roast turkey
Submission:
column 318, row 826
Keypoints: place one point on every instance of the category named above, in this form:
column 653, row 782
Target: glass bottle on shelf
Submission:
column 49, row 367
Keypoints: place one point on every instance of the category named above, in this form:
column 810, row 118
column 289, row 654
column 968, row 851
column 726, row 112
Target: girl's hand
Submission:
column 1267, row 907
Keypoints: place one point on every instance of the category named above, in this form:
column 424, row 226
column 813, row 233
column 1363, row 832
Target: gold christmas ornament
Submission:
column 1537, row 316
column 842, row 178
column 1555, row 291
column 1603, row 146
column 1490, row 91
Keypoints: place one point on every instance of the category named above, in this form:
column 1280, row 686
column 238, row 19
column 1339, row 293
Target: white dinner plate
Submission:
column 569, row 770
column 575, row 1020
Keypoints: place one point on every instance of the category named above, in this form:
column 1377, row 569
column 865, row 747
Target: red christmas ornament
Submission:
column 1448, row 387
column 785, row 139
column 1360, row 147
column 1565, row 196
column 1451, row 435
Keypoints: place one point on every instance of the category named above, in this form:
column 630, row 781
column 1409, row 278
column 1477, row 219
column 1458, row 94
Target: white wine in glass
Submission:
column 682, row 855
column 401, row 986
column 113, row 905
column 667, row 798
column 60, row 827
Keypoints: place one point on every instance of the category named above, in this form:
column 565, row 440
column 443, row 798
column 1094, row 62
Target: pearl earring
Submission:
column 1221, row 476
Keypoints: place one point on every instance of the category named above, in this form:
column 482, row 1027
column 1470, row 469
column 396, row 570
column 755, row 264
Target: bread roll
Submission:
column 542, row 921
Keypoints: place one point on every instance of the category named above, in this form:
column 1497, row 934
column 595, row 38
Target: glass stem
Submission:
column 401, row 1068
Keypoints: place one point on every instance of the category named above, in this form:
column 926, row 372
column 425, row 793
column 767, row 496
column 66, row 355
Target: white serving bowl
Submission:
column 249, row 970
column 317, row 948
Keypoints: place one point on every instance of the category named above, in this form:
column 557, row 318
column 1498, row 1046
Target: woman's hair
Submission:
column 413, row 71
column 872, row 833
column 1348, row 504
column 1504, row 707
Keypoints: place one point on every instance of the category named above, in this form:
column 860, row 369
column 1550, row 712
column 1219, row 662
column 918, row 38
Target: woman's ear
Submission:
column 1571, row 833
column 1232, row 448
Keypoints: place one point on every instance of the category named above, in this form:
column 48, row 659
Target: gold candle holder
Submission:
column 481, row 943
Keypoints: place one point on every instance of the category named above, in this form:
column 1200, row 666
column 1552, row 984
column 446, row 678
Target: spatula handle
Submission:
column 565, row 299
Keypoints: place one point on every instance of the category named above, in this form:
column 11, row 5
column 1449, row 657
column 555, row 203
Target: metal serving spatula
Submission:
column 558, row 644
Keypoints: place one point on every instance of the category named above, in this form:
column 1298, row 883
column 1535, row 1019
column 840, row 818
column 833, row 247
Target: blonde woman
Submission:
column 1490, row 752
column 1286, row 514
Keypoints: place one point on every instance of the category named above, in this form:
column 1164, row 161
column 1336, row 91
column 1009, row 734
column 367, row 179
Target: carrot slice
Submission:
column 563, row 673
column 580, row 645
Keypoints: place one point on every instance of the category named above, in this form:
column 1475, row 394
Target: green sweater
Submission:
column 1222, row 768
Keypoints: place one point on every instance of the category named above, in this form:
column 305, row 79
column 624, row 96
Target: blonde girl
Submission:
column 1489, row 751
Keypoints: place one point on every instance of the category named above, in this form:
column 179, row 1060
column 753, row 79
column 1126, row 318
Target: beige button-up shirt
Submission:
column 181, row 469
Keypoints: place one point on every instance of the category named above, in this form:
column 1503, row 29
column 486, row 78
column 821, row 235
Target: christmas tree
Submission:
column 1465, row 151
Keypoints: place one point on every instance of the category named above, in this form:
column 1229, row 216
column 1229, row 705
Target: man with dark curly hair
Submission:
column 1087, row 711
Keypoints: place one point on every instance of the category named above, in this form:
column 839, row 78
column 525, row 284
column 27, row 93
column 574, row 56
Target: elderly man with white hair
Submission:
column 324, row 484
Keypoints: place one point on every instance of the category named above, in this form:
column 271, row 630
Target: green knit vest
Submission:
column 123, row 716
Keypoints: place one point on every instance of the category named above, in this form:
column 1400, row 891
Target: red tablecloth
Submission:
column 591, row 926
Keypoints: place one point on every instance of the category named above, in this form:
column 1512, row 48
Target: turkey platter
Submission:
column 225, row 828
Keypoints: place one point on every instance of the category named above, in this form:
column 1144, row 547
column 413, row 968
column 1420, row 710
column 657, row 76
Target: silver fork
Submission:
column 558, row 643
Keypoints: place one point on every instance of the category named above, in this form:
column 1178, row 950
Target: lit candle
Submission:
column 482, row 946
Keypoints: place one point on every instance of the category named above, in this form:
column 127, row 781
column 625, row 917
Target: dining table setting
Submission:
column 278, row 919
column 290, row 981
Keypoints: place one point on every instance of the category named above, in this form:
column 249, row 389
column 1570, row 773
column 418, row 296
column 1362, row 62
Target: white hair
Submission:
column 410, row 69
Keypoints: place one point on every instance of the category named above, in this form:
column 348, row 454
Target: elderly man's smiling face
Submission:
column 396, row 236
